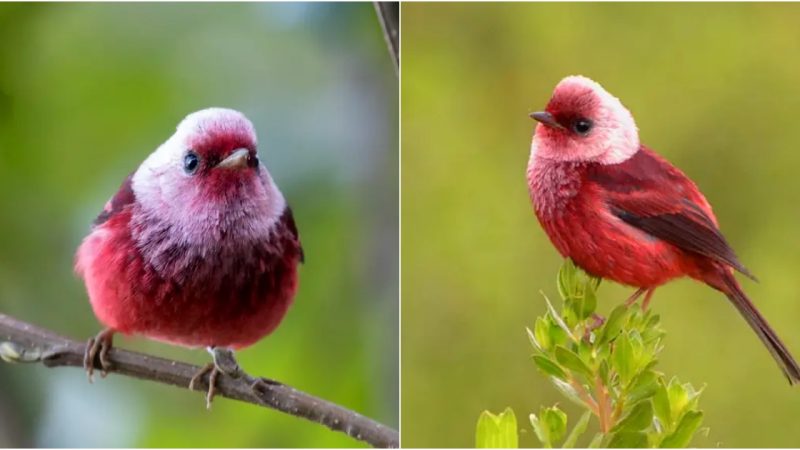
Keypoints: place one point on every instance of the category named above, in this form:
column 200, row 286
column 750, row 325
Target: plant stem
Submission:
column 603, row 406
column 585, row 396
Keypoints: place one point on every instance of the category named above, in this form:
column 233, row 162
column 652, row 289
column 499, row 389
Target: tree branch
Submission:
column 389, row 17
column 26, row 343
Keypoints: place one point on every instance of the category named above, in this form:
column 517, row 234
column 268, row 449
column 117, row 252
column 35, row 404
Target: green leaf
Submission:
column 594, row 282
column 497, row 431
column 567, row 277
column 578, row 430
column 541, row 334
column 628, row 439
column 556, row 421
column 661, row 406
column 567, row 390
column 678, row 398
column 685, row 430
column 603, row 370
column 596, row 441
column 558, row 320
column 639, row 418
column 589, row 302
column 622, row 358
column 637, row 347
column 572, row 361
column 643, row 386
column 613, row 324
column 550, row 426
column 548, row 367
column 694, row 396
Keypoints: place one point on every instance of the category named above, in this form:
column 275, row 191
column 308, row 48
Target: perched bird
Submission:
column 198, row 247
column 622, row 212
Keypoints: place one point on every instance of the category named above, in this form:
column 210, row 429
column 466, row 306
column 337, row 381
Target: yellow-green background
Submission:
column 713, row 87
column 87, row 91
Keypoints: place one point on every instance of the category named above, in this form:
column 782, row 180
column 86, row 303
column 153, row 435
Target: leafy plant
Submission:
column 497, row 431
column 607, row 367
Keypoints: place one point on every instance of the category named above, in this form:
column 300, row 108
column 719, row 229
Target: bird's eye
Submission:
column 582, row 126
column 191, row 162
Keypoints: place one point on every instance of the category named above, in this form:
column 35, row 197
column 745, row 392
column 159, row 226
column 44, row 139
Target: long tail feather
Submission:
column 763, row 330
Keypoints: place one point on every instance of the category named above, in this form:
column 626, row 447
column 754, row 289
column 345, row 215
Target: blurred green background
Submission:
column 713, row 87
column 87, row 91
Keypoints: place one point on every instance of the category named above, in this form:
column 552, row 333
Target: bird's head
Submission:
column 583, row 123
column 208, row 170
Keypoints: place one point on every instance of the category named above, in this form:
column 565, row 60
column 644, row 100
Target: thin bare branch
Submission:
column 389, row 17
column 25, row 343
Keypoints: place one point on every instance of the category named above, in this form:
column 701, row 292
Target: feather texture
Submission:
column 649, row 193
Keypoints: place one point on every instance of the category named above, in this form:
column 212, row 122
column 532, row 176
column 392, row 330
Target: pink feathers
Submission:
column 613, row 138
column 192, row 251
column 622, row 212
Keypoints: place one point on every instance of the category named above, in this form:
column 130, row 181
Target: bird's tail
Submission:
column 763, row 330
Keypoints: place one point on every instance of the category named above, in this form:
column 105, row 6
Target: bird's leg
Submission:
column 647, row 297
column 99, row 344
column 632, row 299
column 224, row 363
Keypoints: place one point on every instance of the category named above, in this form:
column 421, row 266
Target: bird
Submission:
column 622, row 212
column 198, row 248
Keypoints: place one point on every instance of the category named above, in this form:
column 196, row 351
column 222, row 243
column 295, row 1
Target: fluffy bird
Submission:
column 198, row 247
column 622, row 212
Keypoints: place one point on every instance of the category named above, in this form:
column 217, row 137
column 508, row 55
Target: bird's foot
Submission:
column 648, row 294
column 98, row 346
column 224, row 363
column 647, row 297
column 632, row 299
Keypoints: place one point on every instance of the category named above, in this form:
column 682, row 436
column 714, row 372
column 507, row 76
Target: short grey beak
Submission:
column 235, row 160
column 547, row 119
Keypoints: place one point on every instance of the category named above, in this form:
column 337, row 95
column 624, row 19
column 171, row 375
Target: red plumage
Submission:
column 231, row 299
column 207, row 258
column 624, row 213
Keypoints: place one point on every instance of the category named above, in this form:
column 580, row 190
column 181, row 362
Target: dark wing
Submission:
column 649, row 193
column 122, row 198
column 288, row 220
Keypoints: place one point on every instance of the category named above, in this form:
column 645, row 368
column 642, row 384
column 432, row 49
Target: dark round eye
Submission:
column 191, row 162
column 582, row 126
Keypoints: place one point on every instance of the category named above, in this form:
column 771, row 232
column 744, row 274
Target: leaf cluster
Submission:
column 608, row 368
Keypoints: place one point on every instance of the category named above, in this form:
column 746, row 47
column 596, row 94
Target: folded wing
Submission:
column 648, row 193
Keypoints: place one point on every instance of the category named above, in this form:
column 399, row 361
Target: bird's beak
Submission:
column 235, row 160
column 547, row 119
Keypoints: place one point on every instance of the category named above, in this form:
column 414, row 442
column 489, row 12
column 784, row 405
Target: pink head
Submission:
column 583, row 123
column 207, row 177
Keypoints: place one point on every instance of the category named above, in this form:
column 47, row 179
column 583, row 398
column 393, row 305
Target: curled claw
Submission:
column 224, row 363
column 212, row 372
column 98, row 347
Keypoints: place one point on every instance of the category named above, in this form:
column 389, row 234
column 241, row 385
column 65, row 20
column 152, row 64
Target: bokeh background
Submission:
column 87, row 91
column 713, row 87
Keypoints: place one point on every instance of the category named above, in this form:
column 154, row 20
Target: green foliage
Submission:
column 497, row 430
column 608, row 368
column 550, row 426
